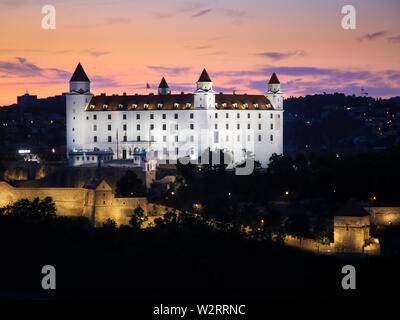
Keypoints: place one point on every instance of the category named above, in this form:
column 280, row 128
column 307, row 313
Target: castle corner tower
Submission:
column 274, row 94
column 77, row 100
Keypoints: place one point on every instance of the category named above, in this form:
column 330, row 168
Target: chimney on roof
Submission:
column 124, row 94
column 234, row 91
column 182, row 92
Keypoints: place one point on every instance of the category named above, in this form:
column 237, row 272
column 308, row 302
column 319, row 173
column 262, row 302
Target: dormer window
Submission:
column 92, row 106
column 134, row 106
column 235, row 105
column 105, row 106
column 246, row 106
column 146, row 106
column 120, row 106
column 216, row 105
column 256, row 105
column 176, row 105
column 187, row 105
column 159, row 106
column 224, row 105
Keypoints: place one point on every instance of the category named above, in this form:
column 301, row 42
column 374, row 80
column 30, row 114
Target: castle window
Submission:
column 238, row 115
column 73, row 140
column 134, row 106
column 187, row 105
column 216, row 126
column 152, row 138
column 216, row 105
column 272, row 126
column 248, row 116
column 224, row 105
column 94, row 117
column 176, row 116
column 164, row 126
column 176, row 127
column 248, row 138
column 191, row 138
column 248, row 126
column 227, row 115
column 227, row 138
column 151, row 116
column 164, row 138
column 146, row 106
column 164, row 116
column 73, row 129
column 138, row 127
column 109, row 117
column 272, row 116
column 259, row 126
column 159, row 106
column 191, row 116
column 125, row 138
column 176, row 138
column 238, row 138
column 227, row 126
column 256, row 105
column 77, row 158
column 279, row 116
column 238, row 126
column 87, row 118
column 259, row 137
column 120, row 106
column 176, row 105
column 259, row 116
column 124, row 116
column 105, row 106
column 92, row 106
column 94, row 127
column 109, row 127
column 235, row 105
column 191, row 126
column 109, row 138
column 176, row 151
column 216, row 138
column 246, row 106
column 152, row 127
column 138, row 138
column 138, row 116
column 124, row 127
column 272, row 137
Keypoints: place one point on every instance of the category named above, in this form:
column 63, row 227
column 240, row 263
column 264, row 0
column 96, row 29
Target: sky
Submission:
column 124, row 44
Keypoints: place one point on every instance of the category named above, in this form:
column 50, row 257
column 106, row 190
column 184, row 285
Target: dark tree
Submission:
column 138, row 217
column 130, row 186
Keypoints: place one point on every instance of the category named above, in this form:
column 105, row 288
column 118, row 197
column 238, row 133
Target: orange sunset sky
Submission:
column 123, row 45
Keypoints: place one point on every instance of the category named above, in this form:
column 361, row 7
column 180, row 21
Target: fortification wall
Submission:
column 309, row 244
column 383, row 216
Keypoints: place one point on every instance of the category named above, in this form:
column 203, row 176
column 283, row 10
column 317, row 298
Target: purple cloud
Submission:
column 281, row 55
column 168, row 70
column 394, row 39
column 201, row 13
column 373, row 36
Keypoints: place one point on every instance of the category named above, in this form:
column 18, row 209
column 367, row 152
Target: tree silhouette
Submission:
column 130, row 186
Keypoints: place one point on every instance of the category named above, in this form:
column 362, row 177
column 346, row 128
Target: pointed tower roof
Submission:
column 79, row 74
column 163, row 83
column 204, row 77
column 274, row 79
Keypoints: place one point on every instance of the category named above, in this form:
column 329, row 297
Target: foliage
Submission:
column 27, row 210
column 129, row 185
column 138, row 217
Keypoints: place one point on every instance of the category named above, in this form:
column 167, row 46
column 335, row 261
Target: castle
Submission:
column 167, row 127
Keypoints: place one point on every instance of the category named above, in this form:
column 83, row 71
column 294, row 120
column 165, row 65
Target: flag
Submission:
column 147, row 86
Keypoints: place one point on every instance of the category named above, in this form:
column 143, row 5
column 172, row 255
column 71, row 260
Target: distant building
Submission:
column 26, row 99
column 170, row 126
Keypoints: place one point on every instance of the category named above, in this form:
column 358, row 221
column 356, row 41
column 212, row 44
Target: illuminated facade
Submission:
column 169, row 126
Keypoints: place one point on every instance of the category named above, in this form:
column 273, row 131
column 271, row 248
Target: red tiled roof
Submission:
column 167, row 102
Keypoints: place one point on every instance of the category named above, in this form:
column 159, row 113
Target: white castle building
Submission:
column 167, row 126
